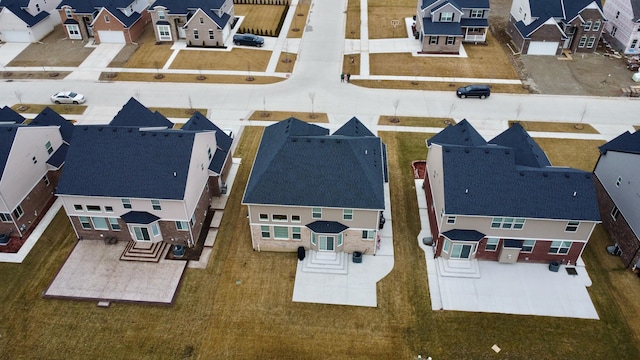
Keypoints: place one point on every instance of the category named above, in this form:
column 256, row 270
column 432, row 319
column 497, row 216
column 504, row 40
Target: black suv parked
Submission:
column 481, row 91
column 248, row 39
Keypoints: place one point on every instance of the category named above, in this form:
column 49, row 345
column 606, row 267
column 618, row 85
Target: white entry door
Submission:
column 327, row 243
column 74, row 32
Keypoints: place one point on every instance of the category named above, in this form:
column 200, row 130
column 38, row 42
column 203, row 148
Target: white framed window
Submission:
column 507, row 223
column 588, row 25
column 281, row 232
column 94, row 208
column 196, row 35
column 313, row 239
column 113, row 222
column 141, row 233
column 155, row 230
column 126, row 203
column 615, row 29
column 492, row 244
column 34, row 159
column 340, row 241
column 618, row 181
column 347, row 214
column 316, row 213
column 446, row 16
column 634, row 42
column 161, row 14
column 106, row 19
column 583, row 41
column 446, row 246
column 18, row 212
column 46, row 181
column 192, row 221
column 68, row 13
column 182, row 225
column 4, row 217
column 527, row 246
column 477, row 14
column 295, row 218
column 279, row 218
column 572, row 226
column 451, row 40
column 210, row 34
column 451, row 219
column 614, row 213
column 368, row 234
column 591, row 42
column 596, row 25
column 48, row 147
column 78, row 207
column 100, row 223
column 265, row 232
column 433, row 40
column 164, row 33
column 617, row 14
column 108, row 209
column 209, row 155
column 85, row 222
column 201, row 20
column 155, row 204
column 296, row 233
column 559, row 247
column 263, row 217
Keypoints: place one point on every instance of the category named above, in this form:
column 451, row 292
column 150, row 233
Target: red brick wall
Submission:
column 516, row 38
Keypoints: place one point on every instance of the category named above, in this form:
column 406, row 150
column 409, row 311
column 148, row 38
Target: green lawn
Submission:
column 240, row 306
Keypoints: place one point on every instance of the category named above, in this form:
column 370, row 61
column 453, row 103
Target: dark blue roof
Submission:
column 221, row 21
column 7, row 135
column 527, row 151
column 48, row 117
column 300, row 164
column 57, row 158
column 441, row 28
column 327, row 227
column 464, row 235
column 473, row 4
column 353, row 127
column 199, row 122
column 543, row 10
column 625, row 142
column 527, row 30
column 461, row 133
column 486, row 181
column 8, row 115
column 89, row 6
column 474, row 22
column 15, row 6
column 71, row 21
column 127, row 21
column 137, row 115
column 139, row 217
column 126, row 162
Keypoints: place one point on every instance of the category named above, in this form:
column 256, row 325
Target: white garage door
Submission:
column 542, row 48
column 16, row 36
column 111, row 37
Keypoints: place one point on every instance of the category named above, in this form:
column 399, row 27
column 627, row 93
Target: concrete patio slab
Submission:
column 93, row 271
column 521, row 288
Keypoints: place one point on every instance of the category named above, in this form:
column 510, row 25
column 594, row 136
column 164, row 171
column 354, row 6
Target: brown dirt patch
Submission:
column 55, row 50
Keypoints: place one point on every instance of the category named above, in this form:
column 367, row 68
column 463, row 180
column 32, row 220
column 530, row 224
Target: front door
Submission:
column 326, row 243
column 461, row 251
column 74, row 32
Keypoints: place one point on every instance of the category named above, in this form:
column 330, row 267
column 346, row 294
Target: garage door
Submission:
column 16, row 36
column 542, row 48
column 111, row 37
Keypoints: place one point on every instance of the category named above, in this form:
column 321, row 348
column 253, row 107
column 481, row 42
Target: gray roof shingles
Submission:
column 134, row 114
column 223, row 141
column 48, row 117
column 8, row 115
column 300, row 164
column 625, row 142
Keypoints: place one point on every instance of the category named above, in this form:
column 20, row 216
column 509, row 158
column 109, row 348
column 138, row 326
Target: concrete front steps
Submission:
column 458, row 268
column 146, row 252
column 326, row 262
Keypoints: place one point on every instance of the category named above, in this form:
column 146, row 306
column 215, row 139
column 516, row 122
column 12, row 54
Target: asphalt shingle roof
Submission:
column 223, row 141
column 139, row 217
column 527, row 151
column 625, row 142
column 57, row 158
column 461, row 133
column 441, row 28
column 327, row 227
column 126, row 162
column 185, row 6
column 300, row 164
column 8, row 115
column 48, row 117
column 7, row 136
column 134, row 114
column 464, row 235
column 15, row 6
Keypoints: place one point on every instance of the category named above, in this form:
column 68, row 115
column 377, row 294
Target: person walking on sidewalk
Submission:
column 342, row 77
column 348, row 77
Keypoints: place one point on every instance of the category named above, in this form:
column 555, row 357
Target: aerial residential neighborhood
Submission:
column 312, row 179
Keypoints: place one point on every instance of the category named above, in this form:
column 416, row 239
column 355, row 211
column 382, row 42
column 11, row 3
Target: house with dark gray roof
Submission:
column 549, row 27
column 314, row 190
column 8, row 115
column 616, row 175
column 146, row 185
column 443, row 25
column 622, row 29
column 31, row 158
column 502, row 200
column 26, row 20
column 106, row 21
column 204, row 23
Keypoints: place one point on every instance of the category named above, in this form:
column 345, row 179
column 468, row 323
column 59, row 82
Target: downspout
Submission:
column 253, row 243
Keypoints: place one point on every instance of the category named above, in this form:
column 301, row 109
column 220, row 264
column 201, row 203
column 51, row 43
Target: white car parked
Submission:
column 67, row 97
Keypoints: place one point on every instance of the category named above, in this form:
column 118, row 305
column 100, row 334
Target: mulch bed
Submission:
column 419, row 167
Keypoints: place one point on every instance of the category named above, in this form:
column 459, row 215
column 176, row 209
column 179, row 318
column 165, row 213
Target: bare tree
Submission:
column 312, row 96
column 396, row 102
